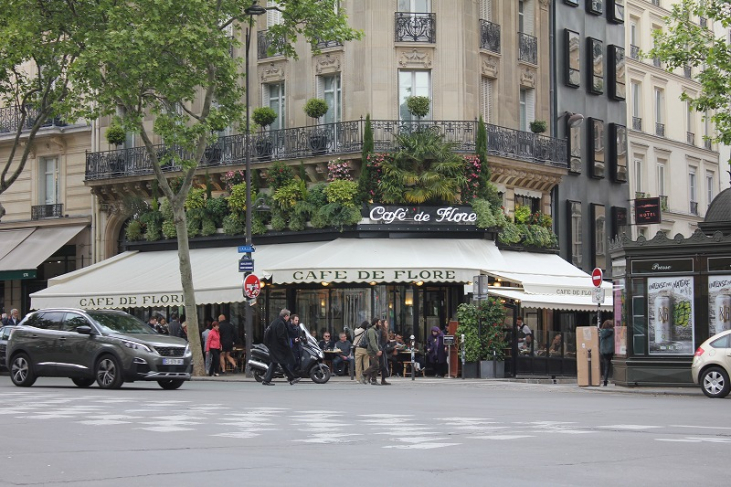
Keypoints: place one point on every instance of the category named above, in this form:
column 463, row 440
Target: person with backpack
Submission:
column 361, row 355
column 374, row 352
column 276, row 338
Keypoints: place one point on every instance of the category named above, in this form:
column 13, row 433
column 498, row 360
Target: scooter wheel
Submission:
column 320, row 373
column 258, row 375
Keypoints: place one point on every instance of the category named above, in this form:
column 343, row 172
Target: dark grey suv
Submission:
column 108, row 346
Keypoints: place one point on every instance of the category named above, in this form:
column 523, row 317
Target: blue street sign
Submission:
column 246, row 265
column 245, row 249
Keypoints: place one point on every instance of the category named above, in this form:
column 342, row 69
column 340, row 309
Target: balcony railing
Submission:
column 634, row 51
column 660, row 129
column 527, row 48
column 489, row 36
column 331, row 140
column 416, row 27
column 690, row 138
column 688, row 71
column 11, row 119
column 637, row 123
column 656, row 3
column 39, row 212
column 262, row 46
column 323, row 44
column 693, row 207
column 663, row 202
column 707, row 144
column 656, row 62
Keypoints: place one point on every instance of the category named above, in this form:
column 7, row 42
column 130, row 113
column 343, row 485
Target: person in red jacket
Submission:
column 213, row 347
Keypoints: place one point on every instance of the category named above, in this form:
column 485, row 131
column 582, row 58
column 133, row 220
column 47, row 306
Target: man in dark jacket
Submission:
column 174, row 326
column 277, row 341
column 226, row 329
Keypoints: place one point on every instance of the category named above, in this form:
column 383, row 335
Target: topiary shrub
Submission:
column 418, row 106
column 115, row 134
column 316, row 107
column 208, row 228
column 264, row 116
column 233, row 225
column 342, row 191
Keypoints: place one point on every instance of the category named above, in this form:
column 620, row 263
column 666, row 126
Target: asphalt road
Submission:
column 430, row 432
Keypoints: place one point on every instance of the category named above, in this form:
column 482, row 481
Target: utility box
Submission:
column 588, row 372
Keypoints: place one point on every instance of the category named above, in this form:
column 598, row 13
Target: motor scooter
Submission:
column 312, row 360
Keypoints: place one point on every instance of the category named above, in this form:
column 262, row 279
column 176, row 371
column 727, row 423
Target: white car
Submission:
column 712, row 365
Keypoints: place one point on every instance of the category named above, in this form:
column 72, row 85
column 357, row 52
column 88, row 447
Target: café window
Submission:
column 596, row 150
column 575, row 236
column 615, row 11
column 595, row 7
column 599, row 233
column 618, row 136
column 596, row 65
column 572, row 58
column 617, row 87
column 575, row 149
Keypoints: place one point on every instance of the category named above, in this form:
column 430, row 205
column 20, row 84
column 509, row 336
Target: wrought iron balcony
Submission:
column 634, row 51
column 489, row 36
column 262, row 46
column 708, row 144
column 690, row 138
column 39, row 212
column 687, row 71
column 637, row 123
column 656, row 2
column 527, row 48
column 324, row 44
column 416, row 27
column 332, row 140
column 11, row 119
column 694, row 208
column 656, row 62
column 660, row 129
column 663, row 202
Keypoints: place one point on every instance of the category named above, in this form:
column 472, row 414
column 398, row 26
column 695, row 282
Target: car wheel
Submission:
column 108, row 373
column 83, row 382
column 714, row 382
column 258, row 375
column 170, row 384
column 21, row 371
column 320, row 374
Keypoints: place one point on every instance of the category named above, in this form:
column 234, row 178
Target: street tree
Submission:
column 172, row 62
column 688, row 42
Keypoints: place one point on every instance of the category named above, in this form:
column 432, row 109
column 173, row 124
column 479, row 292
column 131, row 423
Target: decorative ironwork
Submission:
column 527, row 48
column 660, row 129
column 330, row 140
column 262, row 45
column 416, row 27
column 690, row 138
column 634, row 51
column 11, row 118
column 489, row 36
column 687, row 71
column 637, row 123
column 324, row 44
column 694, row 208
column 39, row 212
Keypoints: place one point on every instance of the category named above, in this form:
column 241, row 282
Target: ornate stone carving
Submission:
column 419, row 58
column 272, row 72
column 528, row 77
column 544, row 3
column 329, row 63
column 490, row 67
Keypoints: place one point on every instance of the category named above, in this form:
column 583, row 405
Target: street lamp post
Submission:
column 251, row 12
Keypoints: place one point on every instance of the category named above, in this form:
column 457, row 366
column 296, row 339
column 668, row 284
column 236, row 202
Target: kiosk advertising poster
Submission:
column 719, row 304
column 620, row 331
column 670, row 301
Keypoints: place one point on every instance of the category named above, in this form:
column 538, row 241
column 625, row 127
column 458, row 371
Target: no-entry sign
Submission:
column 252, row 286
column 596, row 277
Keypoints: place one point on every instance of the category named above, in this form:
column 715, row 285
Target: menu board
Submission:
column 671, row 317
column 719, row 304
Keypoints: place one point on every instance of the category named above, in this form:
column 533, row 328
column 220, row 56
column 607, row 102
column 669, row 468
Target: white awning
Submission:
column 26, row 249
column 552, row 301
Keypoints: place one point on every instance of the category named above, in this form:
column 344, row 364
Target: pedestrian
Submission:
column 276, row 338
column 226, row 329
column 436, row 352
column 374, row 352
column 606, row 348
column 4, row 319
column 174, row 327
column 361, row 355
column 294, row 332
column 387, row 349
column 213, row 347
column 152, row 323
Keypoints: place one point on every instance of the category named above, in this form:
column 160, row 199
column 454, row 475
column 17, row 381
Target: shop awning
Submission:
column 551, row 301
column 387, row 260
column 23, row 250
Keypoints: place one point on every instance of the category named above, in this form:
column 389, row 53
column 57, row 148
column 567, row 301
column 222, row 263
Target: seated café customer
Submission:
column 343, row 356
column 326, row 343
column 555, row 349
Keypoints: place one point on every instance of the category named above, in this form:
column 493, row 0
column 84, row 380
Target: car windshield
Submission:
column 120, row 323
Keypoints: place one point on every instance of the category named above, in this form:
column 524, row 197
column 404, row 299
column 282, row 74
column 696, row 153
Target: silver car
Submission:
column 109, row 347
column 712, row 365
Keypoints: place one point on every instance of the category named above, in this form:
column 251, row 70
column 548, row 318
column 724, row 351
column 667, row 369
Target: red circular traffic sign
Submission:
column 252, row 286
column 596, row 277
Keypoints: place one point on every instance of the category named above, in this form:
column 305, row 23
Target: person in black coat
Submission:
column 227, row 342
column 293, row 327
column 277, row 341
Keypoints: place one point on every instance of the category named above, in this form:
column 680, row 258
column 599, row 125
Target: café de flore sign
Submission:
column 421, row 215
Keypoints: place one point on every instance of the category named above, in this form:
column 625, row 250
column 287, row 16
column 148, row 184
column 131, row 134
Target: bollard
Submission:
column 463, row 355
column 413, row 359
column 589, row 356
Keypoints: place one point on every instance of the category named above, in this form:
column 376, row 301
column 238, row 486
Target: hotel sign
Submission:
column 416, row 215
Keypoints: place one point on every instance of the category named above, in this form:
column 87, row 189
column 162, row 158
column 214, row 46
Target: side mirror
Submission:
column 83, row 330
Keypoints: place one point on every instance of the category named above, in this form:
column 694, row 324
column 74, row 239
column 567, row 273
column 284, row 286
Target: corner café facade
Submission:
column 413, row 266
column 670, row 296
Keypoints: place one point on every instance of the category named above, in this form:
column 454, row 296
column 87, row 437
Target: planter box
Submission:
column 489, row 369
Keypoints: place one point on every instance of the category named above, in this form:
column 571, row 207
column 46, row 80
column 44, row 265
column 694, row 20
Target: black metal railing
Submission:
column 703, row 22
column 687, row 71
column 660, row 129
column 489, row 36
column 663, row 202
column 637, row 123
column 527, row 48
column 39, row 212
column 656, row 62
column 329, row 140
column 416, row 27
column 11, row 118
column 690, row 138
column 693, row 207
column 262, row 46
column 634, row 51
column 708, row 144
column 324, row 44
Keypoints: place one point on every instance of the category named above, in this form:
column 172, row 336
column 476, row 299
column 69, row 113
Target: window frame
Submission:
column 617, row 71
column 595, row 60
column 402, row 109
column 618, row 134
column 572, row 71
column 597, row 148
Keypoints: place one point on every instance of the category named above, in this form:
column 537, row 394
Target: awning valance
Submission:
column 551, row 301
column 26, row 248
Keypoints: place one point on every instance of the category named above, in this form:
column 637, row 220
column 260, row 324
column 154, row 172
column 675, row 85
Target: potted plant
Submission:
column 115, row 134
column 316, row 108
column 263, row 117
column 485, row 344
column 538, row 126
column 418, row 106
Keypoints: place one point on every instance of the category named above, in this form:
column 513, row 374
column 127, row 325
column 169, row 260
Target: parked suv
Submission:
column 108, row 346
column 712, row 365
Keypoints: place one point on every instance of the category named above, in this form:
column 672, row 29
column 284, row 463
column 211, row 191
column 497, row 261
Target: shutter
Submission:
column 530, row 106
column 486, row 9
column 528, row 17
column 320, row 87
column 487, row 93
column 274, row 17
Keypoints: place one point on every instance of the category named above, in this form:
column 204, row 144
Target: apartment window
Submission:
column 414, row 6
column 575, row 237
column 615, row 11
column 595, row 7
column 525, row 16
column 688, row 116
column 636, row 92
column 527, row 108
column 634, row 38
column 599, row 222
column 637, row 175
column 413, row 83
column 661, row 178
column 707, row 130
column 660, row 112
column 709, row 187
column 575, row 135
column 617, row 88
column 596, row 151
column 573, row 3
column 693, row 190
column 129, row 139
column 49, row 181
column 274, row 17
column 488, row 91
column 328, row 89
column 596, row 66
column 618, row 135
column 572, row 57
column 274, row 98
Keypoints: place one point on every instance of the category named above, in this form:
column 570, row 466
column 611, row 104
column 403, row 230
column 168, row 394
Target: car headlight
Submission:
column 187, row 349
column 136, row 346
column 321, row 354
